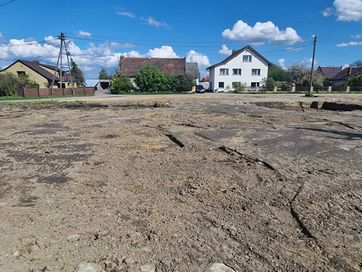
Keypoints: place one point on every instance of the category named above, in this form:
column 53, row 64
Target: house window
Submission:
column 221, row 85
column 224, row 72
column 237, row 72
column 255, row 72
column 21, row 74
column 255, row 84
column 247, row 58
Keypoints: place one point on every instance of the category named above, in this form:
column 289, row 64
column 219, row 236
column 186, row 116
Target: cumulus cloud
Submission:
column 347, row 44
column 84, row 34
column 201, row 59
column 225, row 50
column 282, row 63
column 261, row 33
column 346, row 10
column 164, row 51
column 153, row 22
column 126, row 14
column 90, row 58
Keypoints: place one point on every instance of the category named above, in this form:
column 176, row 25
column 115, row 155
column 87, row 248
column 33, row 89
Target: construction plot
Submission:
column 182, row 184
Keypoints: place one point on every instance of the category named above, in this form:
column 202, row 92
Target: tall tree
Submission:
column 278, row 74
column 104, row 75
column 77, row 74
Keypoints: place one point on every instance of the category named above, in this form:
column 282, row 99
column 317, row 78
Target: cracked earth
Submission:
column 181, row 182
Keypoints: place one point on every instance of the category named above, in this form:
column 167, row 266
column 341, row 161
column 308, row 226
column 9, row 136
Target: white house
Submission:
column 245, row 66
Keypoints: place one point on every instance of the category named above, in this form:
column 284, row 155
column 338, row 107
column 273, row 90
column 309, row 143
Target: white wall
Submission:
column 246, row 72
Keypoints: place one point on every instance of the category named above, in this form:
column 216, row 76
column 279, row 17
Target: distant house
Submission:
column 40, row 73
column 103, row 85
column 337, row 76
column 130, row 67
column 245, row 66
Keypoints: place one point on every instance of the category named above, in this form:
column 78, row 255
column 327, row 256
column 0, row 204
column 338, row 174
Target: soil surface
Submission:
column 178, row 183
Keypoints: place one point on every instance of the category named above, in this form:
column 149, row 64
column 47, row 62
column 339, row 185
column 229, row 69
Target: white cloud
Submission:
column 1, row 37
column 193, row 56
column 164, row 51
column 282, row 63
column 225, row 50
column 153, row 22
column 358, row 36
column 353, row 43
column 328, row 12
column 261, row 33
column 308, row 62
column 126, row 14
column 132, row 54
column 346, row 10
column 84, row 34
column 294, row 49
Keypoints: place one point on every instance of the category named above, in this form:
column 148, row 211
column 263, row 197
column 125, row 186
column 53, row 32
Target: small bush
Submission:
column 239, row 87
column 270, row 84
column 121, row 85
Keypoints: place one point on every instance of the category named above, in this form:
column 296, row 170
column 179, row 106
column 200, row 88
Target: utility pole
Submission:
column 63, row 45
column 312, row 69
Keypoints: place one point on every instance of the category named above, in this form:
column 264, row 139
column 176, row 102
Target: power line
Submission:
column 7, row 3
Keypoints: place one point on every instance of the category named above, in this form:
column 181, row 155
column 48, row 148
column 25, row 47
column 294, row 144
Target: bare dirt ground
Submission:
column 256, row 183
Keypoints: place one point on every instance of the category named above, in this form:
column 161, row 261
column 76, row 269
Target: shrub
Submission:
column 152, row 80
column 121, row 85
column 182, row 84
column 239, row 87
column 10, row 84
column 269, row 84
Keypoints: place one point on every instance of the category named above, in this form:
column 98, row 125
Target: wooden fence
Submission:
column 44, row 92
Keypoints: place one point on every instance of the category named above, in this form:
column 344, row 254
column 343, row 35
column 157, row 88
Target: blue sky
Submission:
column 202, row 31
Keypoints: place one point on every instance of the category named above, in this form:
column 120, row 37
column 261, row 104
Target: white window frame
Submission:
column 238, row 70
column 222, row 83
column 226, row 70
column 256, row 74
column 248, row 58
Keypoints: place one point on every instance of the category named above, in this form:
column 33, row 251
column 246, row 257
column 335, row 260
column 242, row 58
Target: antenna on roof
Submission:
column 63, row 45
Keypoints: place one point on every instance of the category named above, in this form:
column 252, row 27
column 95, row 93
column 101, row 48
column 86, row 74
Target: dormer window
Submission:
column 247, row 58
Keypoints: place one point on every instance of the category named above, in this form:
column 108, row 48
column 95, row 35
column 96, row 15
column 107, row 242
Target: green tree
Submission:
column 279, row 74
column 10, row 84
column 121, row 85
column 355, row 81
column 182, row 84
column 152, row 80
column 77, row 74
column 104, row 75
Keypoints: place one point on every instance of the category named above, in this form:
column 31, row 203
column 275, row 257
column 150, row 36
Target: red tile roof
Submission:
column 172, row 66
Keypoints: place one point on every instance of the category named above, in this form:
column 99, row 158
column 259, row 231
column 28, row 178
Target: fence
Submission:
column 44, row 92
column 326, row 89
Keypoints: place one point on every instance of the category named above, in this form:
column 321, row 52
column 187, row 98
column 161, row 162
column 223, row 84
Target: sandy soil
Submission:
column 177, row 183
